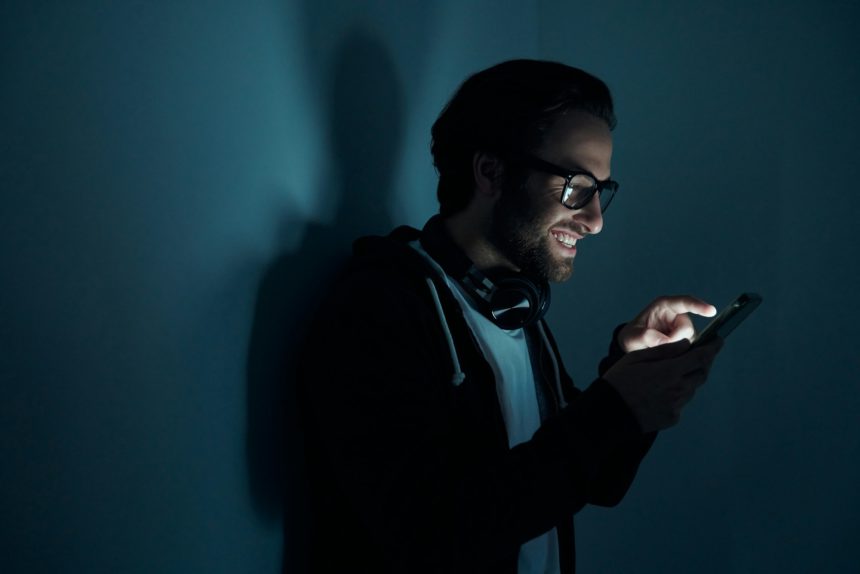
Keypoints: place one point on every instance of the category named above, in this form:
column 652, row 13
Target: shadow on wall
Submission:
column 365, row 116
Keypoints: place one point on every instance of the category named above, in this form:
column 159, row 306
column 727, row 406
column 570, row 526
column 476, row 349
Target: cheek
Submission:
column 544, row 201
column 551, row 210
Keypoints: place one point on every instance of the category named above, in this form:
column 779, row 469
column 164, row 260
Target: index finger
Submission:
column 689, row 304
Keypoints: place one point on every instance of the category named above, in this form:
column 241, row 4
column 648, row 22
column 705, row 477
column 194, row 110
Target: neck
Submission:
column 470, row 233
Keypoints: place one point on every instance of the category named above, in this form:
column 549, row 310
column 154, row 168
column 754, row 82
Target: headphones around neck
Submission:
column 510, row 299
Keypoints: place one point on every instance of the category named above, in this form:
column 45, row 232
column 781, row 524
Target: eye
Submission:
column 582, row 183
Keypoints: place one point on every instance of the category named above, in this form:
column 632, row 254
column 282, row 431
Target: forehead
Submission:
column 580, row 140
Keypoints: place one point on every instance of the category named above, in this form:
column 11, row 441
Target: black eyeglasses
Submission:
column 579, row 185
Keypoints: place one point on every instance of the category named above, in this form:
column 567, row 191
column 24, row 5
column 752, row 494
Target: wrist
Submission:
column 616, row 351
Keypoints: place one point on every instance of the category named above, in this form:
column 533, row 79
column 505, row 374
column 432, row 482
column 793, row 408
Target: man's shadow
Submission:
column 365, row 105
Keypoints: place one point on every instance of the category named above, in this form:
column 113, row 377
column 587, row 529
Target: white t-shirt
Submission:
column 508, row 355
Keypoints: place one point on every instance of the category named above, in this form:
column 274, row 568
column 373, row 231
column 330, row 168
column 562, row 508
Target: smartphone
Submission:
column 729, row 318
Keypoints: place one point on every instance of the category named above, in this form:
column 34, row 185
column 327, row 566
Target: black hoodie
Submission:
column 411, row 472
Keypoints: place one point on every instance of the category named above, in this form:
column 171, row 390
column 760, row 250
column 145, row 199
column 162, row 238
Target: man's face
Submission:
column 530, row 226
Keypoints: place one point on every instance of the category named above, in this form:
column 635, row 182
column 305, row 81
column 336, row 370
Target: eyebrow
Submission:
column 536, row 162
column 577, row 167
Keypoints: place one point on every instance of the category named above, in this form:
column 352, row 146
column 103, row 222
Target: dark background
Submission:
column 179, row 178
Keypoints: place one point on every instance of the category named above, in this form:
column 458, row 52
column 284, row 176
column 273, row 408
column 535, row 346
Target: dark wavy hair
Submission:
column 507, row 109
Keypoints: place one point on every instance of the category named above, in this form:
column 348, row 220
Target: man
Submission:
column 443, row 433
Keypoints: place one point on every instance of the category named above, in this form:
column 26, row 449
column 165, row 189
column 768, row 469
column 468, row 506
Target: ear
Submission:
column 488, row 170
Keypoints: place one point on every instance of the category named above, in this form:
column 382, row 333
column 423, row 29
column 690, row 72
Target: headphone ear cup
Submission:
column 517, row 300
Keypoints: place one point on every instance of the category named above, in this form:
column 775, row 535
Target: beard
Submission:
column 520, row 232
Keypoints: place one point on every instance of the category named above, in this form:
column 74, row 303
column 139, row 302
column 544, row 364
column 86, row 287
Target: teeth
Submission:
column 564, row 240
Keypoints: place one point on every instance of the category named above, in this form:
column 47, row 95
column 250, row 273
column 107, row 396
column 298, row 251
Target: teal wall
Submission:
column 157, row 159
column 176, row 176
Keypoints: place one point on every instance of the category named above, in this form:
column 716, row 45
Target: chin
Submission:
column 560, row 273
column 551, row 268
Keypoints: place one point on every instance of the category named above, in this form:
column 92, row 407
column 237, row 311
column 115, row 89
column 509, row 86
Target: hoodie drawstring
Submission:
column 459, row 376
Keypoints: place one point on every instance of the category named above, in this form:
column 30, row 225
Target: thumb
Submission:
column 654, row 338
column 635, row 338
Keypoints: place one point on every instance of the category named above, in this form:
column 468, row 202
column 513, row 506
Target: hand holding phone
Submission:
column 664, row 320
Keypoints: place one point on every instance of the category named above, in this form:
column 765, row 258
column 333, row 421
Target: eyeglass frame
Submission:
column 533, row 162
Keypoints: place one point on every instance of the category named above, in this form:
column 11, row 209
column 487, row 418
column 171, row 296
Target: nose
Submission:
column 590, row 217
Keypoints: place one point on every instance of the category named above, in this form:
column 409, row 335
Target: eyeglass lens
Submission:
column 578, row 193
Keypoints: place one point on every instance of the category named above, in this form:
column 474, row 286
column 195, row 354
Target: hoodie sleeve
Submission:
column 377, row 382
column 620, row 461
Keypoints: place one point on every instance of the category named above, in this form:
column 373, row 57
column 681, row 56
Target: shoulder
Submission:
column 384, row 282
column 378, row 323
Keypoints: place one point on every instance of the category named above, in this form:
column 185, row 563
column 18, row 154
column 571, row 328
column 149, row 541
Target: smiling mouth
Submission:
column 565, row 239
